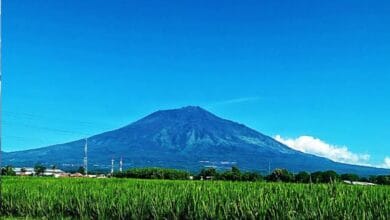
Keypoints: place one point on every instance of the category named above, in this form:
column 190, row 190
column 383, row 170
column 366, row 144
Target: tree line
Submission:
column 234, row 174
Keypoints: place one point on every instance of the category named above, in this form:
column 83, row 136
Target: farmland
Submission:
column 146, row 199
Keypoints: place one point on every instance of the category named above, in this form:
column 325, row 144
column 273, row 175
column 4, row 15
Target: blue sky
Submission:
column 298, row 68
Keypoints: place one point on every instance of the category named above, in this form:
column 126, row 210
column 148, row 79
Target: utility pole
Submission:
column 86, row 156
column 269, row 167
column 112, row 166
column 121, row 165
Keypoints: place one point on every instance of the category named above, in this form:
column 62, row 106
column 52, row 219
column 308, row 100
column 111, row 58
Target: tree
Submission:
column 316, row 177
column 372, row 179
column 236, row 173
column 251, row 176
column 8, row 171
column 280, row 175
column 350, row 177
column 330, row 176
column 81, row 170
column 232, row 175
column 302, row 177
column 39, row 169
column 325, row 177
column 382, row 180
column 208, row 172
column 153, row 173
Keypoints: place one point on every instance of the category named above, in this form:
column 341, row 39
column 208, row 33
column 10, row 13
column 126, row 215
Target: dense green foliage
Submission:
column 303, row 177
column 350, row 177
column 39, row 169
column 230, row 175
column 154, row 173
column 382, row 180
column 81, row 170
column 325, row 177
column 281, row 175
column 7, row 171
column 150, row 199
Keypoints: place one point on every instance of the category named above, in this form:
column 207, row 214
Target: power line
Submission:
column 45, row 128
column 37, row 116
column 88, row 125
column 25, row 139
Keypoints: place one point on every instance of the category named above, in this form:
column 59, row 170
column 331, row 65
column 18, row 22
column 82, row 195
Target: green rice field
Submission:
column 157, row 199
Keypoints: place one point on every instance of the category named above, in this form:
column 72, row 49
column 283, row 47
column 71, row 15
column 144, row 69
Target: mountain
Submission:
column 188, row 138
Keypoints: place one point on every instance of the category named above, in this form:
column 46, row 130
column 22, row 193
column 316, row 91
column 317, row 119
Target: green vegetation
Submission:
column 39, row 169
column 81, row 170
column 230, row 175
column 7, row 171
column 150, row 199
column 351, row 177
column 281, row 175
column 278, row 175
column 382, row 180
column 154, row 173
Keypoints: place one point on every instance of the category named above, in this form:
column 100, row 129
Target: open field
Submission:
column 145, row 199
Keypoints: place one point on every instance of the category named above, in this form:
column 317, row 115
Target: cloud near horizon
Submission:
column 386, row 163
column 312, row 145
column 318, row 147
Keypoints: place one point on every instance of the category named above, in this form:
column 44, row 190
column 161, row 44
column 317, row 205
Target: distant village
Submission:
column 58, row 173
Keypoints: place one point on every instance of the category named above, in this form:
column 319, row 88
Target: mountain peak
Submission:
column 192, row 109
column 189, row 113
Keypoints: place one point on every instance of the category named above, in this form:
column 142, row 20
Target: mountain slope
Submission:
column 187, row 138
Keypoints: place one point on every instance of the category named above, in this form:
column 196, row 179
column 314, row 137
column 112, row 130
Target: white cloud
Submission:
column 312, row 145
column 237, row 100
column 386, row 163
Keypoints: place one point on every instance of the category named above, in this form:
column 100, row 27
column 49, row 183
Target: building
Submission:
column 77, row 175
column 24, row 171
column 54, row 172
column 28, row 171
column 359, row 183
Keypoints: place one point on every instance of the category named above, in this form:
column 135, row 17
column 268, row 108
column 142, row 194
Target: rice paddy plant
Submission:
column 156, row 199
